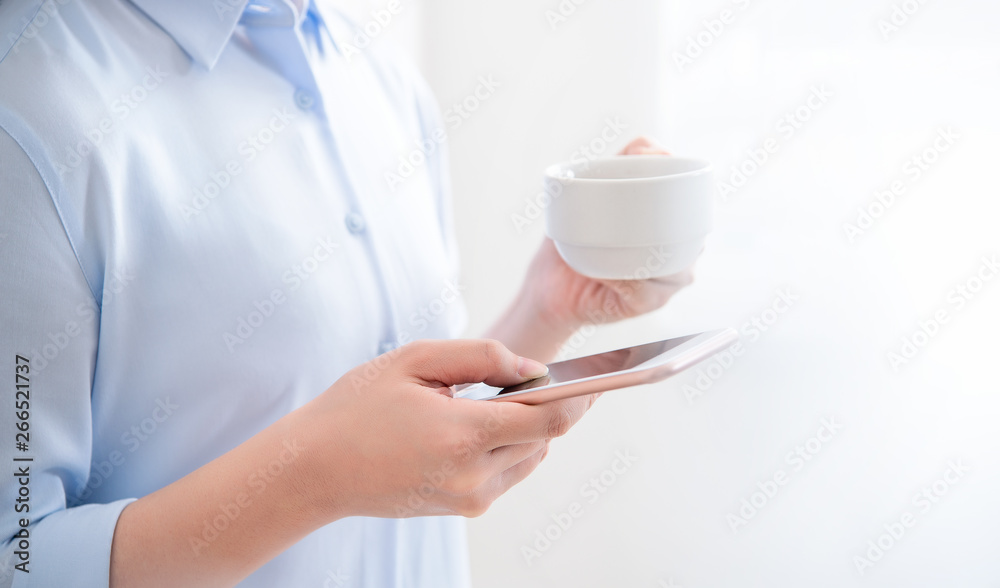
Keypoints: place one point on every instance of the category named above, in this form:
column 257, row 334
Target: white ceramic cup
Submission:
column 630, row 217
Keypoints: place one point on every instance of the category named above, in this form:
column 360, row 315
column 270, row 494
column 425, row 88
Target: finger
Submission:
column 644, row 146
column 510, row 423
column 638, row 289
column 521, row 470
column 468, row 360
column 502, row 458
column 479, row 500
column 680, row 280
column 665, row 287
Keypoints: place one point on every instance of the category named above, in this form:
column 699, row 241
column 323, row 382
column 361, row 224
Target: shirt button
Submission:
column 355, row 223
column 385, row 347
column 304, row 99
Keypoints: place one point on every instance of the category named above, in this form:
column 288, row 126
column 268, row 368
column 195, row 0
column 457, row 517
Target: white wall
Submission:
column 664, row 521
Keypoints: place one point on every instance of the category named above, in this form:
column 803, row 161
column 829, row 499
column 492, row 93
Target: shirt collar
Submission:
column 202, row 29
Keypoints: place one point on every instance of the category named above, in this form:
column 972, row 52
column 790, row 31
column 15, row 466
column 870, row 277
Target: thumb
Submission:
column 644, row 146
column 465, row 361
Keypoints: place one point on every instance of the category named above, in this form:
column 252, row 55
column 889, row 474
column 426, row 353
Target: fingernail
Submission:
column 529, row 368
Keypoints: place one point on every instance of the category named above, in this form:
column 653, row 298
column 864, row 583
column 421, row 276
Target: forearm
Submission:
column 530, row 332
column 223, row 521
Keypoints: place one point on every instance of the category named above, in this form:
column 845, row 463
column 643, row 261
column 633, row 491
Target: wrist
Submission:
column 548, row 316
column 530, row 329
column 304, row 448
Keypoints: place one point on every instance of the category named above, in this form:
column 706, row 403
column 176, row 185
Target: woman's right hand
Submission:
column 389, row 440
column 386, row 440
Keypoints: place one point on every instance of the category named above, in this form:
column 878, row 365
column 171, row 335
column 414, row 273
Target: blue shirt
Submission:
column 204, row 222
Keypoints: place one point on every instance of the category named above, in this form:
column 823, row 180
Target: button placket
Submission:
column 304, row 99
column 355, row 223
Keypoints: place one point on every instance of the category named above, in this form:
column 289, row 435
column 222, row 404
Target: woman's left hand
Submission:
column 566, row 296
column 555, row 300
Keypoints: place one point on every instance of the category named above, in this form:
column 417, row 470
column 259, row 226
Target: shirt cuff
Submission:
column 72, row 547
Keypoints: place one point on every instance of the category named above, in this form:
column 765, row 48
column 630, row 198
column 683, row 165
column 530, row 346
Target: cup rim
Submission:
column 552, row 171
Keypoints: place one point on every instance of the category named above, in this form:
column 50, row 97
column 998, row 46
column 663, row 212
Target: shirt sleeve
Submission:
column 50, row 323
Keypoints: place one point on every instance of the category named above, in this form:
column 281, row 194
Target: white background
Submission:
column 664, row 521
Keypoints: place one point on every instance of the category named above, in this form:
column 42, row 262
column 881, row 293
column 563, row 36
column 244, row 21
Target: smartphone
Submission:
column 611, row 370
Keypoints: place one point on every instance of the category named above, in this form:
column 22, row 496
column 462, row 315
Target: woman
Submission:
column 197, row 240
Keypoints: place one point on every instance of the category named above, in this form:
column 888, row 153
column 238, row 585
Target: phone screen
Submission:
column 601, row 363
